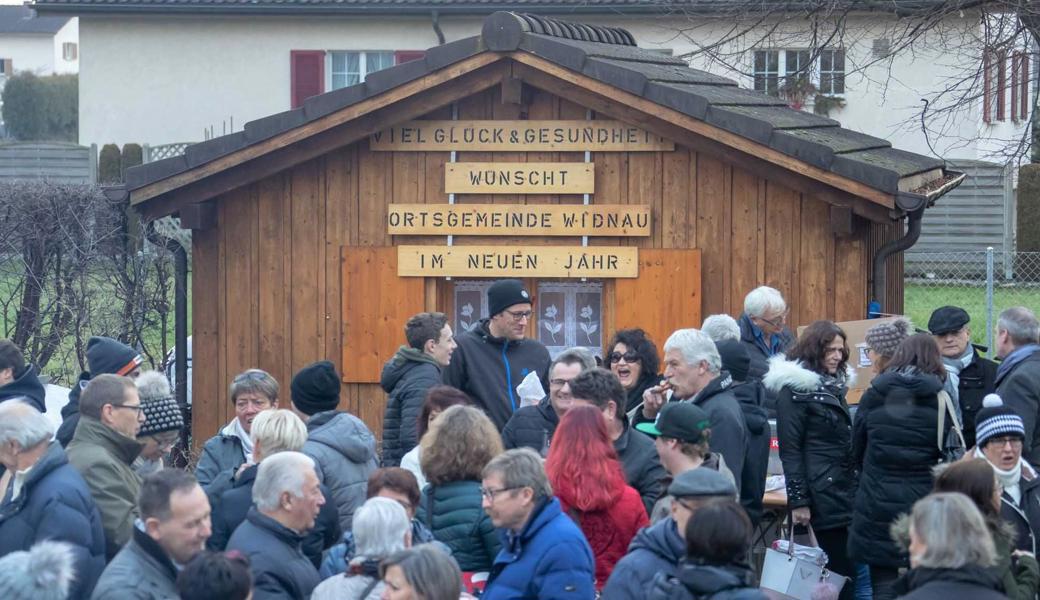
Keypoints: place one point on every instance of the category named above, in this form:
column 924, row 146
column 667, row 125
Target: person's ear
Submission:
column 428, row 346
column 285, row 501
column 151, row 527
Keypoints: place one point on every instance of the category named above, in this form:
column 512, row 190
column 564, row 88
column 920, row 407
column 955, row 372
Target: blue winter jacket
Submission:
column 548, row 560
column 655, row 549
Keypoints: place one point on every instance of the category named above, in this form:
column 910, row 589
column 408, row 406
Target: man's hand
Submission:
column 654, row 399
column 242, row 468
column 801, row 516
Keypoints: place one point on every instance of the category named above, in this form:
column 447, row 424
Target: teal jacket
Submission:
column 454, row 514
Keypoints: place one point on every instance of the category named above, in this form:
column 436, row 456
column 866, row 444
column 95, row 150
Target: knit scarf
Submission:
column 954, row 366
column 1014, row 358
column 235, row 428
column 1010, row 480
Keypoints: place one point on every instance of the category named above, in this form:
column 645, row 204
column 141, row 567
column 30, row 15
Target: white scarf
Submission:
column 954, row 366
column 235, row 428
column 1010, row 480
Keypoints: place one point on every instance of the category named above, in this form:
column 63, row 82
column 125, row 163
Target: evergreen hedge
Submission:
column 42, row 108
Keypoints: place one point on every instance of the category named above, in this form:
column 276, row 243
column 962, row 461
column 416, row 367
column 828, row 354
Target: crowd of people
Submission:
column 637, row 475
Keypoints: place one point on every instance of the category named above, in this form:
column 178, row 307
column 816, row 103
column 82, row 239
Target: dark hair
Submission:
column 397, row 479
column 216, row 576
column 598, row 386
column 719, row 533
column 810, row 347
column 104, row 389
column 975, row 479
column 156, row 489
column 439, row 398
column 11, row 357
column 639, row 342
column 920, row 351
column 424, row 326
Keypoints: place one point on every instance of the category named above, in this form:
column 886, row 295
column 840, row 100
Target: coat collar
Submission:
column 93, row 431
column 283, row 533
column 150, row 550
column 52, row 459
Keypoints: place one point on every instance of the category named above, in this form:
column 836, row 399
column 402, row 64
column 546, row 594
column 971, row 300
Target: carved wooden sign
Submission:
column 618, row 220
column 518, row 136
column 512, row 261
column 519, row 178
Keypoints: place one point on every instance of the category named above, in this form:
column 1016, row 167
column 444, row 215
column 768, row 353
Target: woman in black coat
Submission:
column 815, row 434
column 895, row 444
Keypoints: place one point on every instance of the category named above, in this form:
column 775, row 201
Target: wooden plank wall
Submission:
column 267, row 286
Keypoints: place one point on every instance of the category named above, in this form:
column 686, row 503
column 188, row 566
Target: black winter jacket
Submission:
column 233, row 505
column 406, row 378
column 1019, row 388
column 55, row 504
column 280, row 569
column 967, row 583
column 759, row 357
column 531, row 427
column 655, row 549
column 894, row 444
column 454, row 515
column 976, row 380
column 751, row 395
column 707, row 582
column 70, row 412
column 1026, row 515
column 28, row 387
column 642, row 465
column 814, row 429
column 489, row 369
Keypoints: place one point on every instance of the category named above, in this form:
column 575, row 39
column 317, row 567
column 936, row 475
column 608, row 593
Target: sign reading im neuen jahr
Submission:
column 513, row 261
column 518, row 136
column 620, row 220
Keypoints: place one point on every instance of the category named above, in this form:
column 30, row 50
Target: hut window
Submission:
column 351, row 68
column 570, row 314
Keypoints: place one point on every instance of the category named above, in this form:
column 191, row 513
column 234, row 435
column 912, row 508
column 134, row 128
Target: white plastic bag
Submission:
column 530, row 390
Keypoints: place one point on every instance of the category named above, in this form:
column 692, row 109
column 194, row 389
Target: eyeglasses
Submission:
column 252, row 374
column 630, row 357
column 1014, row 442
column 558, row 382
column 778, row 321
column 490, row 494
column 518, row 315
column 136, row 407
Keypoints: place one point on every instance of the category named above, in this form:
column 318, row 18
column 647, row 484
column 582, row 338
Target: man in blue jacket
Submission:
column 544, row 554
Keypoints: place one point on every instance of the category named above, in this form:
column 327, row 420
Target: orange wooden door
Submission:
column 666, row 296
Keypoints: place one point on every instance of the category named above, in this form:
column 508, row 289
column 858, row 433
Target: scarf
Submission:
column 954, row 366
column 1011, row 360
column 234, row 428
column 1010, row 480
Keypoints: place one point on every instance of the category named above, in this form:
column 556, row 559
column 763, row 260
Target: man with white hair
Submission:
column 46, row 498
column 1018, row 376
column 693, row 373
column 763, row 328
column 721, row 327
column 287, row 498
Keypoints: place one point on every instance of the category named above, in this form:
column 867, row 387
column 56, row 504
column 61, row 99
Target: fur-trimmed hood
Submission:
column 791, row 373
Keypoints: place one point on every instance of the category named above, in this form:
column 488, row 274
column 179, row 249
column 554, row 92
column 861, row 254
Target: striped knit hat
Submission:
column 995, row 419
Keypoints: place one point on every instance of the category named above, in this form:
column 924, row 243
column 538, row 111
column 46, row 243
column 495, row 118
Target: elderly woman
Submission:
column 459, row 444
column 163, row 421
column 439, row 398
column 951, row 552
column 420, row 573
column 381, row 528
column 633, row 359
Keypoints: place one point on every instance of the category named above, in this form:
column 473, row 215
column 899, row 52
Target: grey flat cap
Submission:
column 702, row 481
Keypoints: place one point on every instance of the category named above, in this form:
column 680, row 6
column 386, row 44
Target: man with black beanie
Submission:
column 104, row 355
column 343, row 448
column 494, row 357
column 18, row 380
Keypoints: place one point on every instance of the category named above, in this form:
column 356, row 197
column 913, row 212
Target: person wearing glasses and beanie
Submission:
column 103, row 450
column 494, row 357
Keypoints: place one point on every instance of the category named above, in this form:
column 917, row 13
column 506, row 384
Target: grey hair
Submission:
column 22, row 424
column 695, row 346
column 721, row 327
column 576, row 355
column 254, row 381
column 520, row 468
column 278, row 430
column 1021, row 325
column 380, row 526
column 943, row 521
column 283, row 472
column 431, row 573
column 761, row 299
column 44, row 572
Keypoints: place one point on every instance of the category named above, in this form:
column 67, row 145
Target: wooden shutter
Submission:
column 7, row 66
column 1014, row 86
column 666, row 296
column 1023, row 82
column 307, row 74
column 403, row 56
column 987, row 86
column 376, row 305
column 1002, row 86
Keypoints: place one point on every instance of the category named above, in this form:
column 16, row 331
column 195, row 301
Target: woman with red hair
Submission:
column 586, row 476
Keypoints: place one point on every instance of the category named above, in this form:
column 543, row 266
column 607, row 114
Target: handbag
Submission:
column 951, row 446
column 799, row 575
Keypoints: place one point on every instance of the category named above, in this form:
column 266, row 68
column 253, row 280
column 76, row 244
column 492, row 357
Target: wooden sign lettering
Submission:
column 519, row 178
column 617, row 220
column 512, row 261
column 519, row 136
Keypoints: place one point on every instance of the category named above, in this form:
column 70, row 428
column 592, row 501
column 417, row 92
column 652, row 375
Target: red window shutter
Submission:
column 1023, row 82
column 403, row 56
column 1001, row 86
column 987, row 86
column 1016, row 60
column 307, row 73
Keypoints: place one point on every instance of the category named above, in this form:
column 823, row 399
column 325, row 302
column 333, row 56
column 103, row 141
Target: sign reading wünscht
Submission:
column 512, row 261
column 620, row 220
column 519, row 178
column 519, row 136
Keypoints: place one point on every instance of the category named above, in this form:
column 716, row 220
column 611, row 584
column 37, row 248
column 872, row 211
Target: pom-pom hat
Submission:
column 884, row 338
column 996, row 420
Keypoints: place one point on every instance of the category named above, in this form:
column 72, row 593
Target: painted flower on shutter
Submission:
column 467, row 312
column 588, row 326
column 550, row 323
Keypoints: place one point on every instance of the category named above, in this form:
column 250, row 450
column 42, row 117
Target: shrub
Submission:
column 42, row 108
column 1028, row 234
column 110, row 165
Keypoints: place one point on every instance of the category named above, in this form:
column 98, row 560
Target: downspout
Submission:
column 180, row 335
column 436, row 21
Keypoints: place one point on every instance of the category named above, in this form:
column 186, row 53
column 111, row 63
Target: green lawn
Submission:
column 920, row 300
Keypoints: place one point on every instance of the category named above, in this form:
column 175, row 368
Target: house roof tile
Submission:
column 24, row 20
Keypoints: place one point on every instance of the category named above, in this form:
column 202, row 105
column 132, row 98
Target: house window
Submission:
column 570, row 314
column 767, row 72
column 69, row 51
column 351, row 68
column 832, row 72
column 828, row 74
column 471, row 304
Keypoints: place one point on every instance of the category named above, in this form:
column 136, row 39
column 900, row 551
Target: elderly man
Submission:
column 693, row 372
column 660, row 547
column 721, row 327
column 533, row 426
column 103, row 451
column 544, row 553
column 104, row 356
column 287, row 498
column 969, row 376
column 173, row 528
column 600, row 388
column 494, row 357
column 1018, row 377
column 19, row 380
column 46, row 498
column 763, row 329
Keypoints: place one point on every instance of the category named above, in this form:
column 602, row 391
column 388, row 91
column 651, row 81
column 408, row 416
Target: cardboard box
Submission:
column 857, row 331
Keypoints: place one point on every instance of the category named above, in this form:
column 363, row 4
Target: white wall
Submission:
column 67, row 34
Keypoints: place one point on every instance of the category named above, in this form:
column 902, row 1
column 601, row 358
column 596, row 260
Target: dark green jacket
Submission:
column 1021, row 575
column 103, row 457
column 459, row 522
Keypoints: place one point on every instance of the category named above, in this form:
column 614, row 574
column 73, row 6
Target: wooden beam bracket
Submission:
column 842, row 221
column 513, row 91
column 198, row 216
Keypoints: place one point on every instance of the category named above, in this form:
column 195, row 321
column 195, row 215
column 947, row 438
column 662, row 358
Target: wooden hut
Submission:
column 626, row 189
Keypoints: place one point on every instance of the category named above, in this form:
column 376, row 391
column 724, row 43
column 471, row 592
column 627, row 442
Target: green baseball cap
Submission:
column 683, row 421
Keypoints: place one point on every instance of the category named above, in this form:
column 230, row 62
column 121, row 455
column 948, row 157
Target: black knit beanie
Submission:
column 505, row 293
column 315, row 388
column 106, row 355
column 161, row 412
column 735, row 358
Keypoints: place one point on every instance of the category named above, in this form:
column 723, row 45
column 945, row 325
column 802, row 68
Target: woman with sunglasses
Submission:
column 633, row 360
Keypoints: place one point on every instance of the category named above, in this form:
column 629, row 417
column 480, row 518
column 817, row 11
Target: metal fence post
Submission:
column 989, row 301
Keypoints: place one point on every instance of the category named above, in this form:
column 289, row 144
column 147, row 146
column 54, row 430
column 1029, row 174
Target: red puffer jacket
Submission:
column 610, row 530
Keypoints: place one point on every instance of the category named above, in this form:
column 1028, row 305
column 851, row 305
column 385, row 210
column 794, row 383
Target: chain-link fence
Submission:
column 982, row 283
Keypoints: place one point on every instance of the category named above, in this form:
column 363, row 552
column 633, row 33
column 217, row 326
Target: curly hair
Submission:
column 582, row 465
column 639, row 342
column 460, row 443
column 810, row 348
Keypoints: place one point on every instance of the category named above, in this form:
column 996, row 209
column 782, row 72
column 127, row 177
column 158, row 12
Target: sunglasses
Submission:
column 630, row 357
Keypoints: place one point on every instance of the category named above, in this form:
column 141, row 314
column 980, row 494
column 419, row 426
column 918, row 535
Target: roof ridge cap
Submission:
column 503, row 30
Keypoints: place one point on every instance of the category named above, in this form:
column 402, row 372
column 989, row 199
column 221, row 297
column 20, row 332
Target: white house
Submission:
column 182, row 70
column 44, row 45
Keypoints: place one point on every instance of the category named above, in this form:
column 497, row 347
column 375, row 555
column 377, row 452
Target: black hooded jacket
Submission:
column 751, row 395
column 27, row 385
column 531, row 427
column 406, row 378
column 70, row 412
column 968, row 582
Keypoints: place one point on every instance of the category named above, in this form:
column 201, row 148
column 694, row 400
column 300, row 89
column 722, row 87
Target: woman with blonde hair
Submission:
column 455, row 450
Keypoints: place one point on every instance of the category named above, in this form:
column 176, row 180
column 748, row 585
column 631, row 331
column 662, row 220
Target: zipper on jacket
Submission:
column 509, row 376
column 1022, row 514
